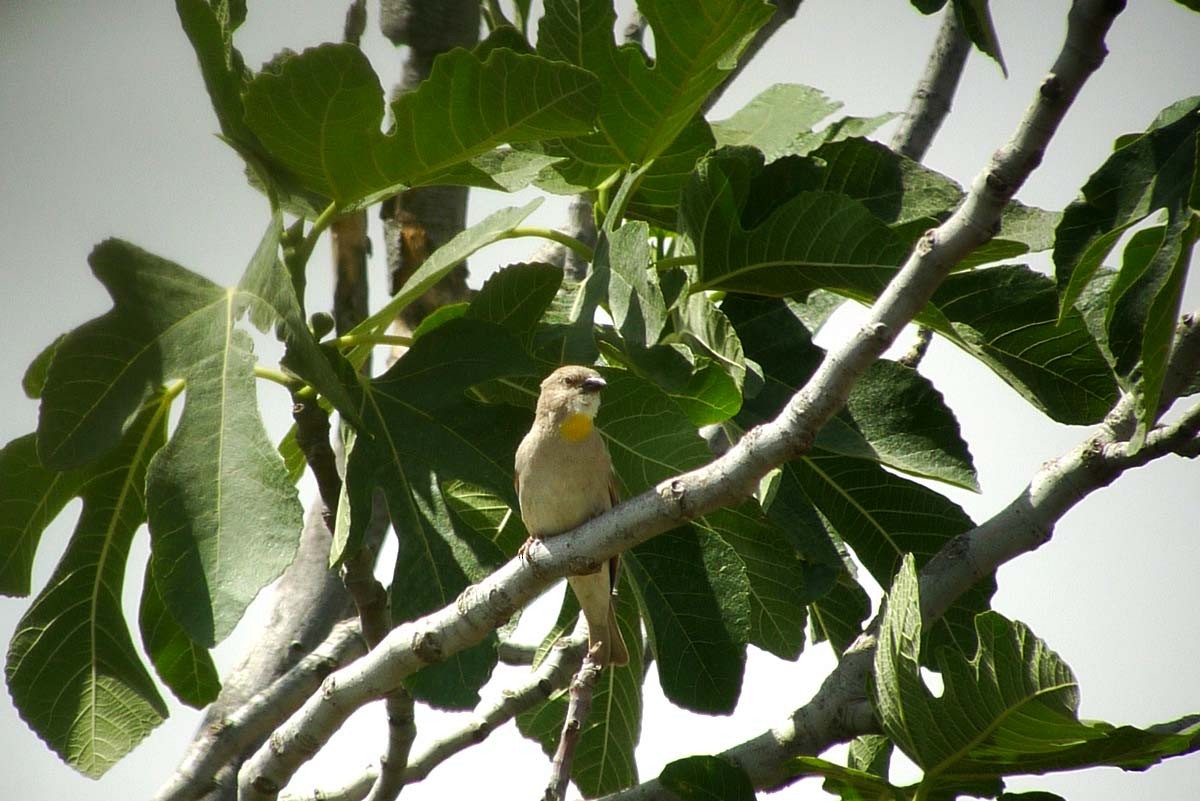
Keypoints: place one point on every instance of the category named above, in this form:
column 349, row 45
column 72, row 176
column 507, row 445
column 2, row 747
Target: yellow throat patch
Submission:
column 576, row 427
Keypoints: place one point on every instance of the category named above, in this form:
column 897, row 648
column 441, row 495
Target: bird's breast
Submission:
column 562, row 483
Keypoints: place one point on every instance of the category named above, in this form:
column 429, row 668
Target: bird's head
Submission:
column 571, row 397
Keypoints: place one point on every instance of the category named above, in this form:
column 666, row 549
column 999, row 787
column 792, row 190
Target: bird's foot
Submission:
column 523, row 551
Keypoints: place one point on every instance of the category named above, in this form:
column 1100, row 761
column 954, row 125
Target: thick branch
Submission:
column 221, row 741
column 728, row 479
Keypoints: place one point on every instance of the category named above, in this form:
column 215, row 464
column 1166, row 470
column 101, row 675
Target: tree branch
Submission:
column 927, row 109
column 579, row 707
column 553, row 674
column 840, row 710
column 932, row 98
column 220, row 742
column 726, row 480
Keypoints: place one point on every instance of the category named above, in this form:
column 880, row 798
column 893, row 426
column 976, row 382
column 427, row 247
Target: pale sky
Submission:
column 107, row 131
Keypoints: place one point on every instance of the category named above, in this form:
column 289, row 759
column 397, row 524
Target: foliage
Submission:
column 717, row 240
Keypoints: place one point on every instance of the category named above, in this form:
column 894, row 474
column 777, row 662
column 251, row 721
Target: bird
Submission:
column 564, row 477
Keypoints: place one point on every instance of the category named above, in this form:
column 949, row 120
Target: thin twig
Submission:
column 583, row 687
column 919, row 348
column 551, row 675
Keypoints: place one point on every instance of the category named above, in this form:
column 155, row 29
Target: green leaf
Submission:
column 209, row 27
column 976, row 21
column 848, row 127
column 692, row 585
column 420, row 416
column 224, row 515
column 908, row 196
column 1152, row 171
column 907, row 426
column 73, row 670
column 699, row 323
column 634, row 298
column 34, row 380
column 513, row 170
column 168, row 323
column 870, row 752
column 30, row 498
column 752, row 236
column 1007, row 318
column 267, row 291
column 781, row 581
column 320, row 113
column 182, row 665
column 893, row 416
column 704, row 391
column 707, row 778
column 516, row 297
column 883, row 517
column 211, row 33
column 847, row 783
column 490, row 229
column 604, row 759
column 657, row 197
column 774, row 118
column 1011, row 709
column 434, row 565
column 645, row 106
column 487, row 515
column 1144, row 303
column 587, row 162
column 695, row 599
column 838, row 616
column 104, row 370
column 1147, row 172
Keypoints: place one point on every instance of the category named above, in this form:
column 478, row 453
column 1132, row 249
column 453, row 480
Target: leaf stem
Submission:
column 675, row 261
column 554, row 235
column 353, row 340
column 314, row 232
column 277, row 376
column 171, row 391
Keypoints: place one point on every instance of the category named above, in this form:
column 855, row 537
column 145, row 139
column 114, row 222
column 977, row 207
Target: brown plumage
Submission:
column 564, row 478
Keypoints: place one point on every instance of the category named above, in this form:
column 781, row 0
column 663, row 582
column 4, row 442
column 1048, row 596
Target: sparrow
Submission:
column 564, row 477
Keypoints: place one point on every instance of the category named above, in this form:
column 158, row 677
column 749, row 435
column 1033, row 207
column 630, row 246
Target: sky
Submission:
column 106, row 131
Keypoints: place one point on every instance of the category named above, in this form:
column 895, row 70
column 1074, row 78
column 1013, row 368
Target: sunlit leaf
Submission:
column 320, row 113
column 73, row 671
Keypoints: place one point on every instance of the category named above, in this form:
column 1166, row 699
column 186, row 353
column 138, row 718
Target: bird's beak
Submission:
column 593, row 384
